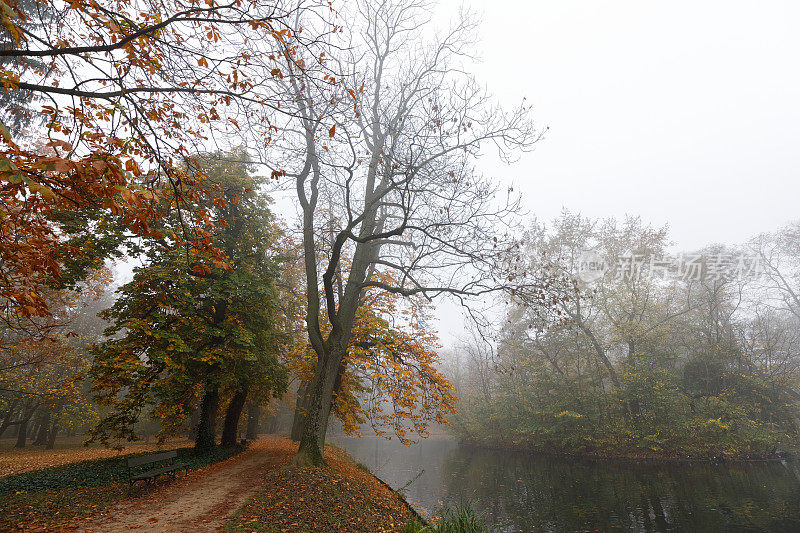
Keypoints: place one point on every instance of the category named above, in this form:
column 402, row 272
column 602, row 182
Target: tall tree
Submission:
column 384, row 178
column 190, row 324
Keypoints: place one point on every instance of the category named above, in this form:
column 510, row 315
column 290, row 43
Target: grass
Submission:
column 47, row 498
column 462, row 519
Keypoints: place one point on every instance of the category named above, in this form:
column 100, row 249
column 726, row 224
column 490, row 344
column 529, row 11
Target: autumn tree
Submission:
column 624, row 310
column 16, row 111
column 390, row 155
column 192, row 327
column 45, row 389
column 389, row 377
column 125, row 92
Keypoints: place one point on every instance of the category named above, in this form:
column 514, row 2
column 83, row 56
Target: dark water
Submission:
column 520, row 492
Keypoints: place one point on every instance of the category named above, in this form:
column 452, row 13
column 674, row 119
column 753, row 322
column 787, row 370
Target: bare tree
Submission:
column 388, row 193
column 779, row 255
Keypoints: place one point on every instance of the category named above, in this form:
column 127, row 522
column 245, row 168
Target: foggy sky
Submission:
column 686, row 113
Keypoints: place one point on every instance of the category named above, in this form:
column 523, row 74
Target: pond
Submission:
column 520, row 492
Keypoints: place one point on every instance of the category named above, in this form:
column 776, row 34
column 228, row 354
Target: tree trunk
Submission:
column 318, row 409
column 300, row 411
column 51, row 438
column 253, row 416
column 54, row 418
column 22, row 433
column 27, row 412
column 601, row 354
column 8, row 416
column 194, row 423
column 272, row 423
column 33, row 428
column 206, row 428
column 44, row 429
column 232, row 415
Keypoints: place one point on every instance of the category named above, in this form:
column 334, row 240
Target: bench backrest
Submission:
column 154, row 458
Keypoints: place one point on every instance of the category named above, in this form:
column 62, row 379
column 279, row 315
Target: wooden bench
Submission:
column 148, row 467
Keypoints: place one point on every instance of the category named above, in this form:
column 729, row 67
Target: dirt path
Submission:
column 199, row 503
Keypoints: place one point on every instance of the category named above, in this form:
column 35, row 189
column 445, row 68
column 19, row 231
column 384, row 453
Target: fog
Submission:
column 685, row 113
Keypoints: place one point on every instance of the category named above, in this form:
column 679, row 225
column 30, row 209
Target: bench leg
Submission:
column 132, row 484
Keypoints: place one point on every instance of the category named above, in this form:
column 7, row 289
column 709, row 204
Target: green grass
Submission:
column 462, row 519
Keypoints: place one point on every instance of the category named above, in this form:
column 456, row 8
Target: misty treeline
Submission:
column 643, row 361
column 43, row 386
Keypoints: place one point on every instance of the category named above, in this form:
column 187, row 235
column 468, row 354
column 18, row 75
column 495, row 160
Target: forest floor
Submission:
column 246, row 492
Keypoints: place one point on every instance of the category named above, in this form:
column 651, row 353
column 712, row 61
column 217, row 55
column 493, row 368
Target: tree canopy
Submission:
column 191, row 323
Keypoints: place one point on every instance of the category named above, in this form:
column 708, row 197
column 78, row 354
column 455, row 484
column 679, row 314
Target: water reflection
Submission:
column 519, row 492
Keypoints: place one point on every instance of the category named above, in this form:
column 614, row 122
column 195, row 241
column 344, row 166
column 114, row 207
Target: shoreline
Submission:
column 622, row 458
column 414, row 513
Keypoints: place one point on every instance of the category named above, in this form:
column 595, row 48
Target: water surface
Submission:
column 522, row 492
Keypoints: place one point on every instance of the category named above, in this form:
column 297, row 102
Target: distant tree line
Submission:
column 643, row 362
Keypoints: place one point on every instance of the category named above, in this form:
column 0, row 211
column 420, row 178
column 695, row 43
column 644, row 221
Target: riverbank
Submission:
column 638, row 455
column 345, row 497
